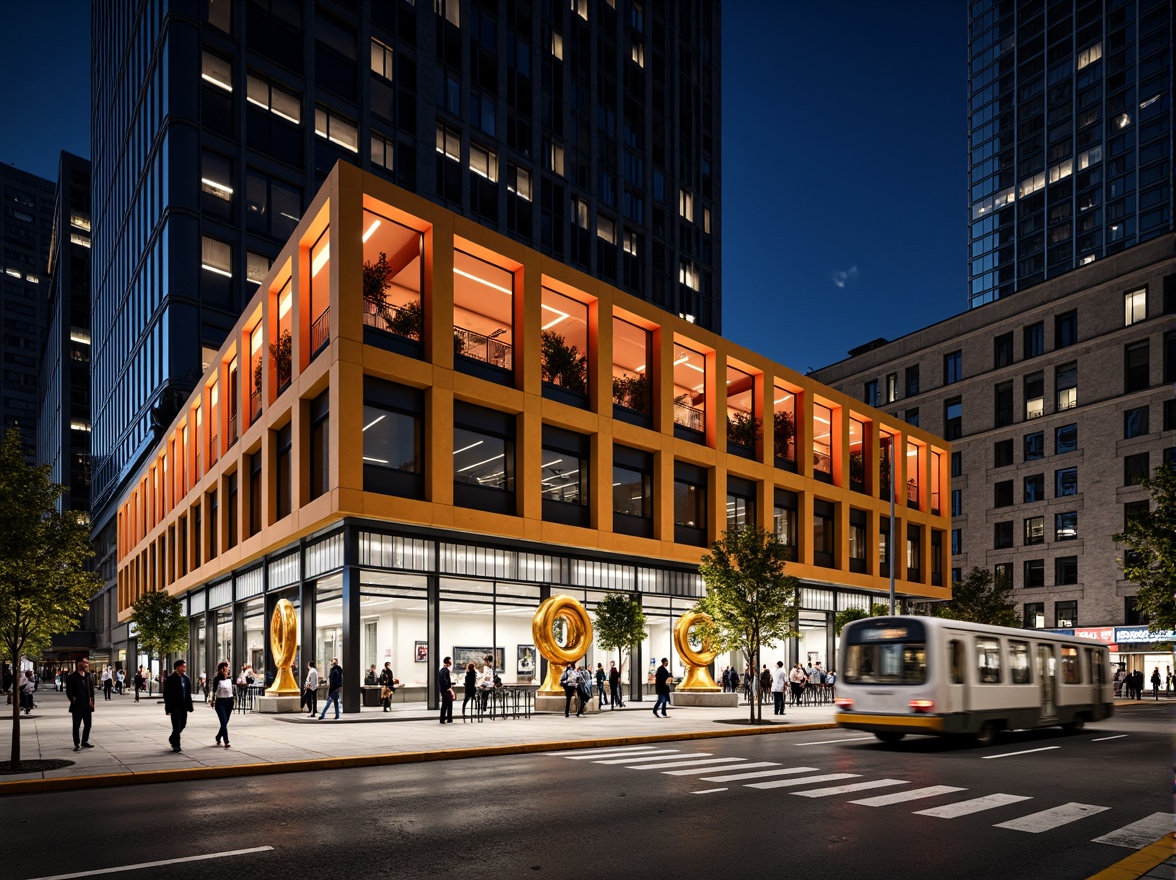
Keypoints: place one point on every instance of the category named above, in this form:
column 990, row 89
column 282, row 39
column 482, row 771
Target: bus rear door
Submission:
column 954, row 687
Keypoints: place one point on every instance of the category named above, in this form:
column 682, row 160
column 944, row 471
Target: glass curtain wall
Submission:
column 393, row 623
column 480, row 618
column 224, row 635
column 254, row 611
column 328, row 631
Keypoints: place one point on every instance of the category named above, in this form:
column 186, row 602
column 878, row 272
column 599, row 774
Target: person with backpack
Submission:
column 614, row 684
column 570, row 679
column 765, row 682
column 600, row 678
column 388, row 683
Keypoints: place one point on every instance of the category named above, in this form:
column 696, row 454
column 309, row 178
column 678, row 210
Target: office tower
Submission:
column 25, row 225
column 587, row 130
column 1070, row 132
column 63, row 430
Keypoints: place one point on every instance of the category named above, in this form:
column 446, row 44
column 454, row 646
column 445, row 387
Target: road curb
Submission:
column 1141, row 861
column 190, row 774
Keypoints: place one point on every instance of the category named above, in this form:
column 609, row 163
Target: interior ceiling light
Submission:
column 371, row 230
column 472, row 277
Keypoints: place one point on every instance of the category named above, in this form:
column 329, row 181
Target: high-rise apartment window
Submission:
column 1065, row 574
column 1034, row 446
column 1034, row 340
column 216, row 177
column 1034, row 530
column 271, row 206
column 484, row 162
column 1135, row 468
column 1002, row 350
column 282, row 467
column 1065, row 439
column 870, row 395
column 689, row 275
column 555, row 159
column 953, row 419
column 957, row 542
column 1066, row 526
column 957, row 464
column 912, row 417
column 1034, row 395
column 606, row 229
column 383, row 151
column 891, row 387
column 280, row 102
column 952, row 367
column 381, row 59
column 1002, row 493
column 1034, row 488
column 1088, row 56
column 1034, row 615
column 450, row 10
column 637, row 52
column 256, row 267
column 1135, row 422
column 1134, row 307
column 1136, row 358
column 518, row 181
column 912, row 380
column 1065, row 482
column 219, row 14
column 557, row 46
column 216, row 70
column 1066, row 329
column 824, row 533
column 1003, row 403
column 686, row 205
column 1002, row 535
column 334, row 128
column 957, row 502
column 216, row 256
column 1066, row 386
column 1034, row 570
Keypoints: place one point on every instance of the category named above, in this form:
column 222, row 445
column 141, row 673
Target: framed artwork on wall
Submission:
column 462, row 656
column 420, row 652
column 527, row 661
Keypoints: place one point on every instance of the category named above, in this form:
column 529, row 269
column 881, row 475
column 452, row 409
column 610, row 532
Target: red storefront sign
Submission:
column 1105, row 634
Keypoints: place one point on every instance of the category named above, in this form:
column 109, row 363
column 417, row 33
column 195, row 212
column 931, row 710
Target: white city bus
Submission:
column 900, row 675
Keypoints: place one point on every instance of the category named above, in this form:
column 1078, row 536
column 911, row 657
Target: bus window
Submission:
column 988, row 658
column 956, row 652
column 1071, row 671
column 1019, row 663
column 1100, row 667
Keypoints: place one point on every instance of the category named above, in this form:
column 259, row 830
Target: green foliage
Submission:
column 743, row 430
column 748, row 595
column 377, row 278
column 562, row 364
column 407, row 320
column 857, row 467
column 44, row 587
column 978, row 599
column 632, row 392
column 619, row 624
column 848, row 615
column 1150, row 560
column 784, row 435
column 282, row 352
column 162, row 626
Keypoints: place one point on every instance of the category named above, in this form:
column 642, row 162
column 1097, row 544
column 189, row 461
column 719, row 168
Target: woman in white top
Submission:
column 222, row 700
column 107, row 682
column 486, row 681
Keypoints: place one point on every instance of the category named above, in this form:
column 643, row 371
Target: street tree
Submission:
column 619, row 624
column 1150, row 560
column 44, row 585
column 848, row 615
column 980, row 599
column 749, row 597
column 161, row 624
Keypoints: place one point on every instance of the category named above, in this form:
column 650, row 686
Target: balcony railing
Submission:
column 254, row 404
column 320, row 332
column 912, row 494
column 233, row 429
column 689, row 417
column 487, row 349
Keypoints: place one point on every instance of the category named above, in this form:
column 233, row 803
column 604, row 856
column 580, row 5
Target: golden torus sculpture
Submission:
column 283, row 646
column 698, row 677
column 576, row 644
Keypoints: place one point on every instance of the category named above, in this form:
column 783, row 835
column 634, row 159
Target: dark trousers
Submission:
column 224, row 711
column 779, row 698
column 137, row 689
column 663, row 700
column 106, row 686
column 82, row 720
column 615, row 695
column 179, row 721
column 310, row 697
column 469, row 698
column 569, row 692
column 446, row 707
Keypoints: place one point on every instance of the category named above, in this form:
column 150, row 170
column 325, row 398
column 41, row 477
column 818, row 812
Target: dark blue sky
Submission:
column 844, row 159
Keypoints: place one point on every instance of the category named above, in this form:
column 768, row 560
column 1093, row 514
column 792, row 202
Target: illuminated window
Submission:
column 1089, row 55
column 564, row 346
column 630, row 369
column 217, row 71
column 686, row 205
column 381, row 59
column 257, row 267
column 392, row 277
column 689, row 388
column 1134, row 306
column 269, row 97
column 216, row 256
column 637, row 53
column 484, row 162
column 688, row 274
column 606, row 229
column 557, row 45
column 483, row 311
column 450, row 10
column 518, row 181
column 383, row 151
column 822, row 442
column 449, row 143
column 336, row 129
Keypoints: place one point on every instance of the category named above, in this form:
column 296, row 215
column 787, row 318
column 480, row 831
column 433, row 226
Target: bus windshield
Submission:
column 886, row 653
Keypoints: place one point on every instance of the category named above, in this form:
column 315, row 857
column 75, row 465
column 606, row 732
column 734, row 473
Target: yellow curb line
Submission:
column 1140, row 862
column 189, row 774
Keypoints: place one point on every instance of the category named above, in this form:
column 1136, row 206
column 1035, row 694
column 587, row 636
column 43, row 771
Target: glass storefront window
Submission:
column 631, row 386
column 392, row 273
column 255, row 652
column 564, row 343
column 483, row 311
column 689, row 388
column 224, row 636
column 394, row 627
column 328, row 630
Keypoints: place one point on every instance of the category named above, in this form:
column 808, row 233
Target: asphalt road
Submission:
column 1033, row 805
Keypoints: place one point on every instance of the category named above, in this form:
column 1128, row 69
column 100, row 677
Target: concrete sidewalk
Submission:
column 131, row 739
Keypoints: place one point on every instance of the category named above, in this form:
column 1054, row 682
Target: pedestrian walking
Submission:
column 485, row 682
column 471, row 689
column 765, row 682
column 120, row 679
column 570, row 679
column 310, row 689
column 334, row 689
column 614, row 685
column 779, row 685
column 661, row 684
column 107, row 682
column 1155, row 683
column 27, row 687
column 748, row 683
column 445, row 691
column 139, row 682
column 79, row 689
column 177, row 701
column 601, row 677
column 222, row 700
column 796, row 682
column 388, row 683
column 1138, row 684
column 1168, row 682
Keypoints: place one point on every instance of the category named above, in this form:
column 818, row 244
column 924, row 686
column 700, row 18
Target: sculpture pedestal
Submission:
column 556, row 704
column 709, row 699
column 278, row 705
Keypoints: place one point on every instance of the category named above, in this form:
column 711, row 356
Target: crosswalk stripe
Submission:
column 759, row 775
column 845, row 789
column 696, row 771
column 1139, row 834
column 885, row 800
column 585, row 754
column 674, row 764
column 1046, row 820
column 976, row 805
column 651, row 757
column 659, row 754
column 806, row 780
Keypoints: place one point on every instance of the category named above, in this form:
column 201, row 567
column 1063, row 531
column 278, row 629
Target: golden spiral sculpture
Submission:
column 283, row 647
column 698, row 677
column 579, row 638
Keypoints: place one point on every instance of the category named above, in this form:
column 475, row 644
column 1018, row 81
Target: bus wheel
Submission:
column 1074, row 726
column 986, row 736
column 890, row 737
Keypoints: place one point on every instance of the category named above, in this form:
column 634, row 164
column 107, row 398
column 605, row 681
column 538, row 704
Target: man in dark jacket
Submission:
column 445, row 691
column 334, row 689
column 80, row 692
column 614, row 685
column 662, row 685
column 177, row 701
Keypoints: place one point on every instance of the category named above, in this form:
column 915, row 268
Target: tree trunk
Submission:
column 759, row 702
column 15, row 755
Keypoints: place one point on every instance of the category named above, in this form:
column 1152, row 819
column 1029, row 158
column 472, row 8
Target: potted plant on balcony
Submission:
column 857, row 468
column 562, row 364
column 784, row 435
column 631, row 392
column 281, row 351
column 743, row 429
column 406, row 320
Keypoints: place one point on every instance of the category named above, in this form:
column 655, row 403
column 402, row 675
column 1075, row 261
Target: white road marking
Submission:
column 845, row 789
column 1026, row 752
column 584, row 755
column 708, row 791
column 825, row 742
column 885, row 800
column 1103, row 739
column 1139, row 834
column 142, row 865
column 659, row 755
column 806, row 780
column 1035, row 823
column 697, row 772
column 759, row 775
column 674, row 764
column 976, row 805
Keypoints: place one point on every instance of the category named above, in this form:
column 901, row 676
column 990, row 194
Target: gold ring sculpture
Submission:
column 579, row 638
column 698, row 677
column 283, row 646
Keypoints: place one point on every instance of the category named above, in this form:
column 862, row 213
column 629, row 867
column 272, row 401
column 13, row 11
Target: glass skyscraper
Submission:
column 1070, row 132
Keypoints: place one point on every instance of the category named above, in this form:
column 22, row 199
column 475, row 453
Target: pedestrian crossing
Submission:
column 811, row 782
